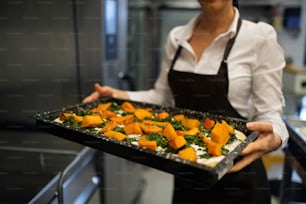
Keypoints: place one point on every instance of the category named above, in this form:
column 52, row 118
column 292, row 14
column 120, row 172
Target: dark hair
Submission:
column 236, row 3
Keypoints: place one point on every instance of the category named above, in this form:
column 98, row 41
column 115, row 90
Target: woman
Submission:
column 222, row 64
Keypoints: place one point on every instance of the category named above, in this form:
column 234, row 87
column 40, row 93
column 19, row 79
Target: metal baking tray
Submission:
column 195, row 172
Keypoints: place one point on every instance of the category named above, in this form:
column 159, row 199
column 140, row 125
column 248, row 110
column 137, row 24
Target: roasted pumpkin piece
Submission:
column 64, row 116
column 229, row 128
column 179, row 117
column 169, row 132
column 123, row 120
column 188, row 153
column 193, row 131
column 91, row 121
column 208, row 123
column 143, row 113
column 132, row 128
column 149, row 129
column 158, row 123
column 220, row 134
column 102, row 107
column 213, row 148
column 109, row 126
column 177, row 142
column 128, row 107
column 180, row 132
column 108, row 114
column 162, row 115
column 150, row 144
column 191, row 123
column 115, row 135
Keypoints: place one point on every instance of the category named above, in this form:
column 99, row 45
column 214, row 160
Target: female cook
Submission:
column 222, row 64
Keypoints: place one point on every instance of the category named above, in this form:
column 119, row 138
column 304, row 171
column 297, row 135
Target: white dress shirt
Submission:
column 255, row 66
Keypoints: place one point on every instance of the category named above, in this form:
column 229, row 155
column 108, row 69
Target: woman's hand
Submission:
column 103, row 91
column 266, row 142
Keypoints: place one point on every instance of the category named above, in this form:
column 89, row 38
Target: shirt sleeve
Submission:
column 267, row 93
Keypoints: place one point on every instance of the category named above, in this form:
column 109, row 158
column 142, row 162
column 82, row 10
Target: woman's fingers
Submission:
column 100, row 91
column 91, row 97
column 266, row 142
column 103, row 90
column 260, row 126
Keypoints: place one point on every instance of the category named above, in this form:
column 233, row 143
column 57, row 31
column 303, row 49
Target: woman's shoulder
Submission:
column 259, row 29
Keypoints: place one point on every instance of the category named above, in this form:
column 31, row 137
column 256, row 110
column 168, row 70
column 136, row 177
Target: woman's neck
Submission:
column 216, row 21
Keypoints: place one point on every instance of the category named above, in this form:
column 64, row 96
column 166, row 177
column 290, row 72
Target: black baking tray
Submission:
column 198, row 173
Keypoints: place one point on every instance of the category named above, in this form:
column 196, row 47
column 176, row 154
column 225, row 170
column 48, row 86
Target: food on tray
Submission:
column 206, row 141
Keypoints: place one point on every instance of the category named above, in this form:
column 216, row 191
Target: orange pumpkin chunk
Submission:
column 188, row 153
column 162, row 115
column 150, row 144
column 132, row 128
column 143, row 113
column 109, row 126
column 152, row 122
column 128, row 107
column 229, row 128
column 104, row 106
column 191, row 123
column 179, row 117
column 213, row 148
column 149, row 129
column 91, row 121
column 115, row 135
column 64, row 116
column 108, row 114
column 123, row 120
column 192, row 131
column 220, row 134
column 177, row 142
column 169, row 132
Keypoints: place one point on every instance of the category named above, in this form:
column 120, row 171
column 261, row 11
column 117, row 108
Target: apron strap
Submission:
column 231, row 42
column 177, row 53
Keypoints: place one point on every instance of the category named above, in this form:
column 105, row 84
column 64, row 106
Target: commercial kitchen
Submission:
column 51, row 54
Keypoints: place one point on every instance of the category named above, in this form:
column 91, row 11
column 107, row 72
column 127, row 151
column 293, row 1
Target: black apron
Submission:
column 208, row 93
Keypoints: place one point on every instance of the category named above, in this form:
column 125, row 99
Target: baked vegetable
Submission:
column 123, row 120
column 115, row 135
column 208, row 123
column 169, row 132
column 143, row 113
column 132, row 128
column 149, row 129
column 128, row 107
column 150, row 144
column 188, row 153
column 91, row 121
column 190, row 123
column 109, row 126
column 162, row 115
column 65, row 116
column 213, row 148
column 220, row 133
column 177, row 142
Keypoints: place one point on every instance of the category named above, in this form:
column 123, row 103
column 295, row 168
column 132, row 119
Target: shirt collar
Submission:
column 186, row 34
